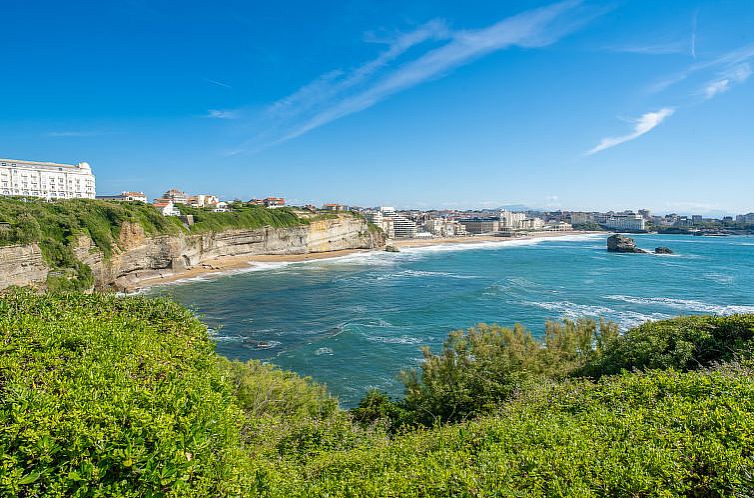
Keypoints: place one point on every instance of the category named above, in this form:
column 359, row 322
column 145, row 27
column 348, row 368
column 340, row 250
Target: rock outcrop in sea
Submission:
column 663, row 250
column 391, row 248
column 621, row 243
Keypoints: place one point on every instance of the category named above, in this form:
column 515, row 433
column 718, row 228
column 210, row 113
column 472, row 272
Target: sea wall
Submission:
column 138, row 256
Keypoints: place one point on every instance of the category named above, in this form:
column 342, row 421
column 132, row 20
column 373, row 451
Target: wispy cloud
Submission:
column 429, row 52
column 217, row 83
column 735, row 75
column 658, row 48
column 643, row 125
column 694, row 23
column 726, row 64
column 222, row 114
column 79, row 133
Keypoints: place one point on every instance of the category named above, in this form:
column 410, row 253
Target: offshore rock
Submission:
column 663, row 250
column 390, row 248
column 621, row 243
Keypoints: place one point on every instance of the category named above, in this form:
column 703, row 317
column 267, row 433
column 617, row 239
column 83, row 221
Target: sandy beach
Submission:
column 231, row 263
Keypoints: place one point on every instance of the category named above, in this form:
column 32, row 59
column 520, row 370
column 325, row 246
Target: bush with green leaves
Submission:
column 481, row 367
column 107, row 396
column 660, row 433
column 683, row 343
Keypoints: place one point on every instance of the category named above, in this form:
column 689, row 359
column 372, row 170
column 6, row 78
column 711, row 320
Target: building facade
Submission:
column 125, row 197
column 46, row 180
column 632, row 222
column 176, row 196
column 510, row 220
column 480, row 225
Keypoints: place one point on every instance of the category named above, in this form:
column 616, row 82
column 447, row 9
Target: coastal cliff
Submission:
column 137, row 256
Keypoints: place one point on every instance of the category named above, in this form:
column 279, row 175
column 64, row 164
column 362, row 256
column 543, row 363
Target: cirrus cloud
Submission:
column 643, row 125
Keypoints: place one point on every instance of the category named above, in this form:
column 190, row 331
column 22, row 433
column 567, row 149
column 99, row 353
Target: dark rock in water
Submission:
column 663, row 250
column 392, row 249
column 621, row 243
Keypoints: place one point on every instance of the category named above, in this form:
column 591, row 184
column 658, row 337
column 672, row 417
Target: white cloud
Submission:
column 79, row 133
column 222, row 114
column 217, row 83
column 735, row 75
column 644, row 124
column 429, row 52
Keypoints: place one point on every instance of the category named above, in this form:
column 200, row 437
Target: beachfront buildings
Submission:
column 478, row 225
column 125, row 197
column 623, row 221
column 510, row 220
column 441, row 227
column 46, row 180
column 394, row 225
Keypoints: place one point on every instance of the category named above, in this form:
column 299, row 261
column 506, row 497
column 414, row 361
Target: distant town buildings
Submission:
column 747, row 219
column 166, row 207
column 442, row 227
column 270, row 202
column 124, row 197
column 176, row 196
column 203, row 200
column 46, row 180
column 581, row 218
column 394, row 225
column 478, row 225
column 510, row 220
column 623, row 221
column 334, row 207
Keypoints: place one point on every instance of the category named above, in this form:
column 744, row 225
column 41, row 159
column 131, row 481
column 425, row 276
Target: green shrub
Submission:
column 684, row 343
column 654, row 434
column 107, row 396
column 479, row 368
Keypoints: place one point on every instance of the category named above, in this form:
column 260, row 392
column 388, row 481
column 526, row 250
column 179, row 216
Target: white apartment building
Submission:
column 441, row 227
column 532, row 224
column 510, row 220
column 46, row 180
column 625, row 222
column 394, row 225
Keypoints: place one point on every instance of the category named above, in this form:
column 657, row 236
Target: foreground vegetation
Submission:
column 107, row 396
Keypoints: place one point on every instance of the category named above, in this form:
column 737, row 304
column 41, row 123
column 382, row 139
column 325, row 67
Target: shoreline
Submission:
column 227, row 264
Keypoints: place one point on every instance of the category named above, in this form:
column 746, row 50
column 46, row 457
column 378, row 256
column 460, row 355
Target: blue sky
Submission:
column 573, row 105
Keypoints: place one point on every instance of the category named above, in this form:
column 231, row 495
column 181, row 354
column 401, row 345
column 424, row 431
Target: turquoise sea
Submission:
column 354, row 322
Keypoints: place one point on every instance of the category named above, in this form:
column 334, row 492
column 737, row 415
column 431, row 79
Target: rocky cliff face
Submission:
column 22, row 265
column 139, row 256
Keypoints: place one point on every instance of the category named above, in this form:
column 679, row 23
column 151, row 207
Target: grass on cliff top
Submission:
column 242, row 216
column 56, row 225
column 107, row 396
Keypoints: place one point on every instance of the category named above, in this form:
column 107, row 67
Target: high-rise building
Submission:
column 46, row 180
column 510, row 220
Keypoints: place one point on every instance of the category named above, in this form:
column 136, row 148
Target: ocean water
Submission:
column 354, row 322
